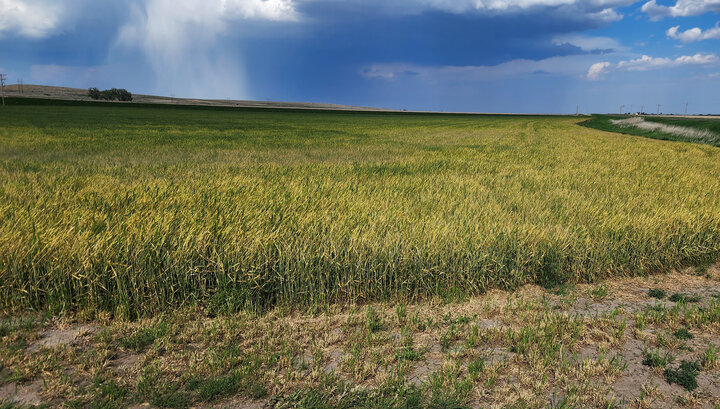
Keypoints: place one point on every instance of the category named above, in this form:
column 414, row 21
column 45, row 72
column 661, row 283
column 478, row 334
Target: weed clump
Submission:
column 683, row 333
column 657, row 293
column 685, row 375
column 683, row 298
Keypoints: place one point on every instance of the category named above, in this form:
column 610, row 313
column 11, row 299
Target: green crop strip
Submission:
column 604, row 123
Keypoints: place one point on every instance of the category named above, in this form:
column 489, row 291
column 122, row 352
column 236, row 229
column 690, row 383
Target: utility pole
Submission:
column 577, row 110
column 642, row 109
column 20, row 85
column 686, row 106
column 2, row 87
column 622, row 109
column 631, row 111
column 658, row 112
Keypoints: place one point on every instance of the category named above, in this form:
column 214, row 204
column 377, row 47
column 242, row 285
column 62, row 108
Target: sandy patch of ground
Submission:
column 29, row 394
column 55, row 337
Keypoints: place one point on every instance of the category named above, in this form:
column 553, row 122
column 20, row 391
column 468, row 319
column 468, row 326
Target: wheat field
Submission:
column 136, row 210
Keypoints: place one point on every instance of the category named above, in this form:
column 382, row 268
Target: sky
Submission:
column 524, row 56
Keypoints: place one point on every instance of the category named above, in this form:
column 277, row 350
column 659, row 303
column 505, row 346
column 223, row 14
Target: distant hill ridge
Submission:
column 79, row 94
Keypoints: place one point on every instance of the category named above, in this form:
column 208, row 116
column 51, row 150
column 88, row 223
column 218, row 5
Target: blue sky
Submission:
column 446, row 55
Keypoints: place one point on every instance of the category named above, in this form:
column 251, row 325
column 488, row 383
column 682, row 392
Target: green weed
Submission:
column 685, row 375
column 682, row 298
column 683, row 333
column 657, row 293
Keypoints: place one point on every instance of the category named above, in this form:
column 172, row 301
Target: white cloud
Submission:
column 682, row 8
column 42, row 18
column 518, row 4
column 597, row 70
column 587, row 43
column 509, row 5
column 30, row 18
column 566, row 66
column 700, row 59
column 573, row 66
column 646, row 63
column 179, row 39
column 694, row 34
column 605, row 15
column 276, row 10
column 602, row 11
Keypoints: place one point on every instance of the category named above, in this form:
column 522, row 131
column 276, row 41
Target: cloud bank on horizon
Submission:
column 468, row 55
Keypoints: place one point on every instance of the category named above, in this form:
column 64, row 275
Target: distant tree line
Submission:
column 114, row 94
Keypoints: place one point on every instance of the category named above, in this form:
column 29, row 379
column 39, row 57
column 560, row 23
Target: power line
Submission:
column 2, row 87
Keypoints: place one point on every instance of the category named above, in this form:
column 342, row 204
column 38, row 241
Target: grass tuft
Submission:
column 710, row 357
column 656, row 359
column 475, row 367
column 408, row 353
column 599, row 293
column 144, row 337
column 373, row 321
